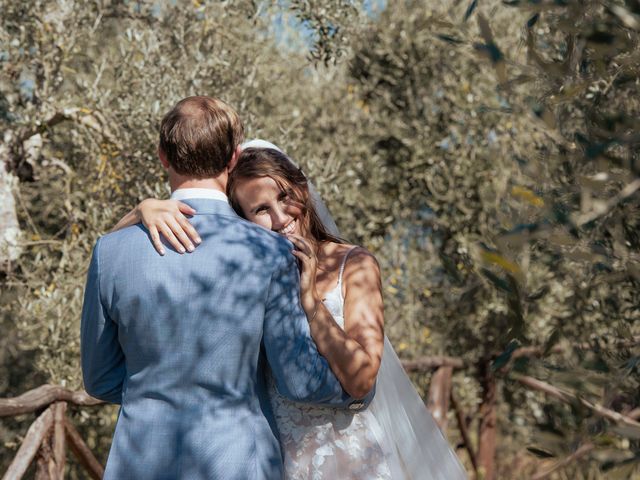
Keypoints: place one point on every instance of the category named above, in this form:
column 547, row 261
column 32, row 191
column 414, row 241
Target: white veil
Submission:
column 416, row 448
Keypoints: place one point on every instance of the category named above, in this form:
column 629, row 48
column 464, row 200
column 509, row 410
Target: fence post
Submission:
column 59, row 439
column 30, row 445
column 439, row 395
column 487, row 428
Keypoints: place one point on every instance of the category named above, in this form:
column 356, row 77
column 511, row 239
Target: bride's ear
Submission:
column 234, row 158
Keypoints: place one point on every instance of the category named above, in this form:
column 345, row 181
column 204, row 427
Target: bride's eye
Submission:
column 260, row 210
column 284, row 197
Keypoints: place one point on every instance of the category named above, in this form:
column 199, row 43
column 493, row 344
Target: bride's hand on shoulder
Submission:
column 308, row 262
column 168, row 218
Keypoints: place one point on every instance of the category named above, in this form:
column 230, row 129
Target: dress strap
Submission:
column 344, row 262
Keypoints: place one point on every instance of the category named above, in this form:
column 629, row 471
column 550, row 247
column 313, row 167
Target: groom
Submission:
column 182, row 341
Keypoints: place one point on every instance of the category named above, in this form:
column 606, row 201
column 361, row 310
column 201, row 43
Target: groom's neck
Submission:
column 218, row 183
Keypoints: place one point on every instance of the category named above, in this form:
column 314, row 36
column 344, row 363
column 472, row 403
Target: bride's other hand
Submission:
column 167, row 218
column 305, row 253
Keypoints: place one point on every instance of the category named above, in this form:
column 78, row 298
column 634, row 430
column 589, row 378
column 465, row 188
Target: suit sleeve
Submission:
column 300, row 372
column 103, row 366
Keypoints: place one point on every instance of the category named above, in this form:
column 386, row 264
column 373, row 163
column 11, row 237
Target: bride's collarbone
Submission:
column 329, row 261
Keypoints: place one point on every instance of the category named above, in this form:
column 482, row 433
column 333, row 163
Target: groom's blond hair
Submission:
column 199, row 136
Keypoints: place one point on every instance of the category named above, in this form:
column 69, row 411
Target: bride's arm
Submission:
column 166, row 217
column 354, row 354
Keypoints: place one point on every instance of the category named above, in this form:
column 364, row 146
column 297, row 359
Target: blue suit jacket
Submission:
column 183, row 343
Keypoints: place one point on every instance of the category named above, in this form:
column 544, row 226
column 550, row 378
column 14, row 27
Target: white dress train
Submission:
column 418, row 449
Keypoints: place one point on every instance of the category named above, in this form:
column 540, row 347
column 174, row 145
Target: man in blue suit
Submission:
column 182, row 342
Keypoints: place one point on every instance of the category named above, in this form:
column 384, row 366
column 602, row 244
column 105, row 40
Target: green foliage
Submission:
column 331, row 23
column 530, row 165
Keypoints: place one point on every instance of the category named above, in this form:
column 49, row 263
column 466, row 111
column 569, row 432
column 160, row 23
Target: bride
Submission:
column 395, row 438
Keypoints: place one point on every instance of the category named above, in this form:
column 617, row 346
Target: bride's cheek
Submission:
column 293, row 210
column 261, row 220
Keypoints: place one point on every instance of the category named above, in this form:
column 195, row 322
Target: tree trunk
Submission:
column 487, row 429
column 9, row 227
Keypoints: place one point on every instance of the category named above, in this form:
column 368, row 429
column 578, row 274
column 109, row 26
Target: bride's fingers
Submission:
column 301, row 244
column 181, row 236
column 293, row 240
column 155, row 240
column 188, row 228
column 186, row 209
column 300, row 255
column 304, row 260
column 171, row 238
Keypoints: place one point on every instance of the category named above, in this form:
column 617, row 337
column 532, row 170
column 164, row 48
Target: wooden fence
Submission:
column 48, row 436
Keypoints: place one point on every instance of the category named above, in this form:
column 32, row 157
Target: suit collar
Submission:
column 207, row 206
column 191, row 193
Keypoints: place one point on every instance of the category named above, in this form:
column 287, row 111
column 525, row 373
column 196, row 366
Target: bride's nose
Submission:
column 279, row 218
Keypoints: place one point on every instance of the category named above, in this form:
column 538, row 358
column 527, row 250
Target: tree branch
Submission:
column 540, row 351
column 579, row 453
column 90, row 119
column 601, row 211
column 635, row 414
column 571, row 398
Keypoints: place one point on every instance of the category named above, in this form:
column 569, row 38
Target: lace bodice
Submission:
column 326, row 443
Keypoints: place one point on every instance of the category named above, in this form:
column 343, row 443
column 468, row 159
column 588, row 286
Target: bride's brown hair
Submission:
column 267, row 162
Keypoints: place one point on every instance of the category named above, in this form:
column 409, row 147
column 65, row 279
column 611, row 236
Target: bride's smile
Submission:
column 265, row 202
column 290, row 228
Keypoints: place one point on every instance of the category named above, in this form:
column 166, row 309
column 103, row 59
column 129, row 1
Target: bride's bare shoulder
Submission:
column 359, row 261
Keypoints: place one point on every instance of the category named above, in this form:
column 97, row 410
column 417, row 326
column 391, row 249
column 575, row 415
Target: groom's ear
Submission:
column 234, row 158
column 163, row 159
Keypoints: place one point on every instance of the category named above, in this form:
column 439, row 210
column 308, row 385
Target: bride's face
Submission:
column 265, row 203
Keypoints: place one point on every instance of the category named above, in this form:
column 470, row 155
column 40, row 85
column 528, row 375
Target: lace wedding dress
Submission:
column 325, row 443
column 395, row 438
